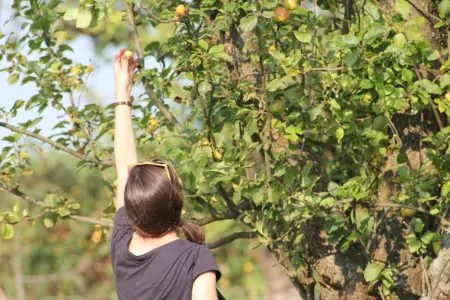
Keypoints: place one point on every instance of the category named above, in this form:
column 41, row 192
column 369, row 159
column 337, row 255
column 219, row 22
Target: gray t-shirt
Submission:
column 164, row 273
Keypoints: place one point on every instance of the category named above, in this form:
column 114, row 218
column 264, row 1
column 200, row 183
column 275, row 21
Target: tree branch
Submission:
column 433, row 106
column 425, row 13
column 229, row 238
column 148, row 90
column 56, row 145
column 40, row 203
column 207, row 205
column 89, row 220
column 156, row 18
column 231, row 206
column 417, row 209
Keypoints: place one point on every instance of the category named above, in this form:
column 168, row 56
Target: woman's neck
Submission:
column 140, row 245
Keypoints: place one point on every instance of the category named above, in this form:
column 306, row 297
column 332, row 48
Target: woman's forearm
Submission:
column 124, row 144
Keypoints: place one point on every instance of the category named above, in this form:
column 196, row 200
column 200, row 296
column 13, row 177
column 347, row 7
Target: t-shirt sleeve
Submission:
column 205, row 263
column 121, row 234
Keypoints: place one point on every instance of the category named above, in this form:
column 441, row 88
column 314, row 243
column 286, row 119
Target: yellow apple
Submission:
column 181, row 10
column 128, row 54
column 290, row 4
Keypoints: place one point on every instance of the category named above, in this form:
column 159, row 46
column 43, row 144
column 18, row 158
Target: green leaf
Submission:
column 224, row 56
column 418, row 225
column 444, row 81
column 434, row 55
column 203, row 44
column 349, row 40
column 407, row 75
column 293, row 132
column 366, row 84
column 304, row 37
column 351, row 58
column 339, row 134
column 445, row 189
column 84, row 18
column 402, row 7
column 280, row 83
column 399, row 40
column 414, row 244
column 429, row 237
column 7, row 231
column 444, row 8
column 13, row 78
column 218, row 51
column 429, row 86
column 248, row 23
column 375, row 31
column 372, row 272
column 403, row 171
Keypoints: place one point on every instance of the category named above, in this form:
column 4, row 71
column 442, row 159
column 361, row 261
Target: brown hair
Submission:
column 153, row 203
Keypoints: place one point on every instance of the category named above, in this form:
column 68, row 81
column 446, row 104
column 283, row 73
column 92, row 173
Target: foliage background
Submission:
column 324, row 136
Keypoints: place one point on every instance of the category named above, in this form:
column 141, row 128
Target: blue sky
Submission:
column 101, row 81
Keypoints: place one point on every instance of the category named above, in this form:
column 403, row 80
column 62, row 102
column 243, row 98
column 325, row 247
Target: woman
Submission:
column 149, row 260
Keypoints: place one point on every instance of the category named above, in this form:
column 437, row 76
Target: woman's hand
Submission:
column 123, row 73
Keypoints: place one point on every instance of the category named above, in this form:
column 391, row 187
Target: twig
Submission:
column 40, row 203
column 229, row 238
column 156, row 18
column 327, row 69
column 433, row 106
column 89, row 220
column 394, row 129
column 420, row 210
column 425, row 13
column 52, row 143
column 448, row 45
column 425, row 275
column 148, row 90
column 134, row 33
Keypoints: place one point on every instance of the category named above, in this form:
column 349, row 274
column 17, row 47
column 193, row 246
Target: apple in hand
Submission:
column 128, row 54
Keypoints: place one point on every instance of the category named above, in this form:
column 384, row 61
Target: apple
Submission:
column 152, row 124
column 290, row 4
column 277, row 107
column 128, row 54
column 181, row 10
column 447, row 96
column 281, row 14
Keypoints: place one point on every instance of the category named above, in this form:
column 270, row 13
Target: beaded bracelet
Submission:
column 122, row 103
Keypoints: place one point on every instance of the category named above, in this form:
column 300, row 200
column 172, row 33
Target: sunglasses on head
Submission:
column 151, row 163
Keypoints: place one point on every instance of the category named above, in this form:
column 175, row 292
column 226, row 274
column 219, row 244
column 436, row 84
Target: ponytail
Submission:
column 193, row 232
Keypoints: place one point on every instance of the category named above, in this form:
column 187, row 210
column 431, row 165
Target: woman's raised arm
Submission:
column 124, row 140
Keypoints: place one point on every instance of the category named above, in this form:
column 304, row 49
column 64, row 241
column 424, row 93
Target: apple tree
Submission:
column 320, row 127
